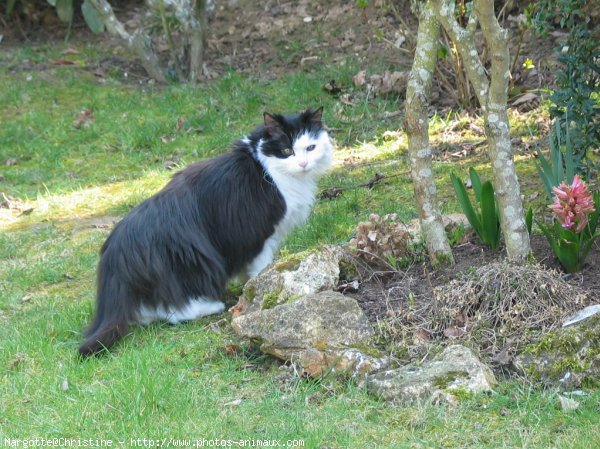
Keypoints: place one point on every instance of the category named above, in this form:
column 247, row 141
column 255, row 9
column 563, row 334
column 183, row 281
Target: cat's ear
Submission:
column 271, row 124
column 314, row 117
column 317, row 114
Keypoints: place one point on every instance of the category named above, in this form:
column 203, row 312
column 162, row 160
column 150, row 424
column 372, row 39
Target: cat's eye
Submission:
column 287, row 151
column 310, row 148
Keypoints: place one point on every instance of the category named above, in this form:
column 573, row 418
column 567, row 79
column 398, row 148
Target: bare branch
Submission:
column 465, row 44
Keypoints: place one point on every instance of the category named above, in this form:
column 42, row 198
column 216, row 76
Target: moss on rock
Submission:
column 272, row 298
column 290, row 263
column 249, row 292
column 567, row 358
column 348, row 269
column 448, row 378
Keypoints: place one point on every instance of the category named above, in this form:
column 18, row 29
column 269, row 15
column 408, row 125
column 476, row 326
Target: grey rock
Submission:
column 325, row 320
column 456, row 369
column 353, row 362
column 583, row 314
column 291, row 278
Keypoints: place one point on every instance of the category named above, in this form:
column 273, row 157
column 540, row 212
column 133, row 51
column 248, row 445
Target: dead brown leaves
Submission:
column 382, row 83
column 382, row 239
column 84, row 119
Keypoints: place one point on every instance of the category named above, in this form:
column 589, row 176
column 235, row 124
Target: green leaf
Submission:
column 594, row 216
column 392, row 261
column 465, row 204
column 475, row 183
column 550, row 237
column 569, row 257
column 529, row 220
column 564, row 234
column 10, row 5
column 557, row 156
column 586, row 248
column 64, row 9
column 489, row 216
column 52, row 2
column 545, row 172
column 92, row 17
column 570, row 163
column 567, row 252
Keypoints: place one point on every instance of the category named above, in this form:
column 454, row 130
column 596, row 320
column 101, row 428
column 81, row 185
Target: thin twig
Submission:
column 334, row 192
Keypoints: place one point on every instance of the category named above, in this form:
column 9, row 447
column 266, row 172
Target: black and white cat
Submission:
column 171, row 257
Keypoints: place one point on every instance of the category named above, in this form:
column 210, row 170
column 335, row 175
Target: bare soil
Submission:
column 384, row 292
column 270, row 38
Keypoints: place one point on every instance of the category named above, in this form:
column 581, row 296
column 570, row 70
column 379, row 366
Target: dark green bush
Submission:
column 577, row 97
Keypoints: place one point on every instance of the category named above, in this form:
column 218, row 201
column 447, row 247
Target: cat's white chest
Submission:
column 299, row 196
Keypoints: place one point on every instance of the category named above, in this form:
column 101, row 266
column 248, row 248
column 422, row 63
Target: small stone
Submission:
column 352, row 362
column 455, row 369
column 583, row 314
column 567, row 404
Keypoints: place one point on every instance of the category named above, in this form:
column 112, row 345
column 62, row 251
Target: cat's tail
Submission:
column 113, row 315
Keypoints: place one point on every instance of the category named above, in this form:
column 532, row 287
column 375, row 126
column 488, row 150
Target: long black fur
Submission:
column 204, row 226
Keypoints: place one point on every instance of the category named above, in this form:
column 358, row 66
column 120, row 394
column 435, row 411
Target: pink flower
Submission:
column 572, row 205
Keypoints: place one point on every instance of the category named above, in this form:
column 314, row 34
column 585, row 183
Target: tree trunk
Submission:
column 139, row 41
column 492, row 95
column 193, row 17
column 417, row 129
column 506, row 183
column 191, row 14
column 198, row 38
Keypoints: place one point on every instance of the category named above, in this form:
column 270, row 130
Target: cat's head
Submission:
column 296, row 145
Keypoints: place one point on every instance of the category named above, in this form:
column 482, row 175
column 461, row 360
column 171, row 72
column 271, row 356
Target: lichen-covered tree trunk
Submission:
column 492, row 95
column 506, row 183
column 417, row 128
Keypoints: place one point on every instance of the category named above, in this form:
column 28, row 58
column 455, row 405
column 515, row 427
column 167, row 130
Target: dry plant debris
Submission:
column 498, row 308
column 383, row 239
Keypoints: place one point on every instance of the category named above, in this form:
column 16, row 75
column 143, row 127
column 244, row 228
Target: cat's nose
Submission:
column 303, row 164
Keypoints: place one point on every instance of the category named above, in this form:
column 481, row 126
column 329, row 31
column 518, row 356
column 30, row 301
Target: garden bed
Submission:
column 412, row 306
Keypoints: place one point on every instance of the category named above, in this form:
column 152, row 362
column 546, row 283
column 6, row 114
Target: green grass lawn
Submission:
column 181, row 382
